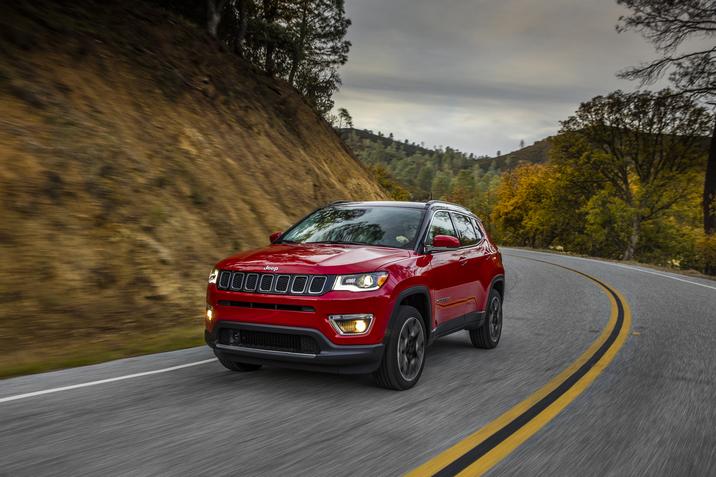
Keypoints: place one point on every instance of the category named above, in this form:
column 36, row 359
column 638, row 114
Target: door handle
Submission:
column 462, row 260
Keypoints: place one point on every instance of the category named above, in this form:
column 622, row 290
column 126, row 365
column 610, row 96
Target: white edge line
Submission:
column 628, row 267
column 102, row 381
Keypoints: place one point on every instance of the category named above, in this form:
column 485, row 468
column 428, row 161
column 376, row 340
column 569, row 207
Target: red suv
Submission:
column 358, row 287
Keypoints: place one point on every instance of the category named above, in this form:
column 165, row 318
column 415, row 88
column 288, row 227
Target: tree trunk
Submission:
column 243, row 10
column 213, row 15
column 633, row 238
column 270, row 10
column 298, row 47
column 709, row 201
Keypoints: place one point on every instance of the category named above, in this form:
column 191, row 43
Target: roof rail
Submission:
column 432, row 202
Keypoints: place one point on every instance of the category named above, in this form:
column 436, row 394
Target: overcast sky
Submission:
column 480, row 75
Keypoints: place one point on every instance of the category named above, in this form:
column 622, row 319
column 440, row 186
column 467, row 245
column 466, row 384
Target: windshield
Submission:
column 381, row 226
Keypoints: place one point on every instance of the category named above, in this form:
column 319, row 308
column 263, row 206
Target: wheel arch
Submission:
column 498, row 283
column 419, row 298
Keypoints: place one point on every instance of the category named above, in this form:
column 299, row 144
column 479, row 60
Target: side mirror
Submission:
column 444, row 242
column 275, row 236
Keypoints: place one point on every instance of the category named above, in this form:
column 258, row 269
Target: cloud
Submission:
column 481, row 75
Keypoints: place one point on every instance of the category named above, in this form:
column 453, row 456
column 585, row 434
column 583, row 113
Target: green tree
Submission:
column 463, row 188
column 317, row 47
column 424, row 181
column 440, row 187
column 644, row 145
column 345, row 120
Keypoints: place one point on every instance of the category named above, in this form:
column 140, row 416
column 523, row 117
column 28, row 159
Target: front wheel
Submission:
column 488, row 334
column 404, row 355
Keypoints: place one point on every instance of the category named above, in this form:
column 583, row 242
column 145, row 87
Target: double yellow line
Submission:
column 481, row 450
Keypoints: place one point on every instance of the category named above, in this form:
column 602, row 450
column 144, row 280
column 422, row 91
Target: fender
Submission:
column 414, row 290
column 498, row 279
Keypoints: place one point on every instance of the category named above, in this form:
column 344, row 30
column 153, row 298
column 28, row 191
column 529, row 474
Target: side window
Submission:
column 480, row 235
column 466, row 232
column 440, row 225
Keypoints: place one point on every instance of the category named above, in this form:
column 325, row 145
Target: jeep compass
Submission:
column 358, row 287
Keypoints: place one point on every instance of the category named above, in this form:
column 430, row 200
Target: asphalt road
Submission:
column 652, row 411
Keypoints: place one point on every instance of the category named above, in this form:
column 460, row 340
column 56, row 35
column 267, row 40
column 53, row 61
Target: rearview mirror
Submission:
column 445, row 241
column 275, row 236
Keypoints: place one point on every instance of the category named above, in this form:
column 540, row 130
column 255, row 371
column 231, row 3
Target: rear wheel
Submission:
column 235, row 365
column 488, row 335
column 404, row 355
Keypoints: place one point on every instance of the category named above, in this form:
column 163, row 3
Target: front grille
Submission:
column 269, row 341
column 274, row 284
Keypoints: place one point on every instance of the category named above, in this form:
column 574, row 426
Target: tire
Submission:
column 487, row 336
column 404, row 356
column 235, row 365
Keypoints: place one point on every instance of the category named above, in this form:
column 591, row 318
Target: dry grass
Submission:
column 134, row 153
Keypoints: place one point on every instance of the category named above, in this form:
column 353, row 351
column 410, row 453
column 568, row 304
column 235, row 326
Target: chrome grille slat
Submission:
column 252, row 281
column 237, row 281
column 266, row 282
column 224, row 279
column 279, row 280
column 298, row 279
column 320, row 283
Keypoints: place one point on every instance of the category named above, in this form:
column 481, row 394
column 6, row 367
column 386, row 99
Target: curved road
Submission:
column 652, row 411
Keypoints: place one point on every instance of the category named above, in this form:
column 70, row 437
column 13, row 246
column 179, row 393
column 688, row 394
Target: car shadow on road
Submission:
column 455, row 348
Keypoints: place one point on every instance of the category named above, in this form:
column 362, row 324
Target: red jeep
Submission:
column 358, row 287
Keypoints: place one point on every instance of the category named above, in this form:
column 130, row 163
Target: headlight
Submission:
column 214, row 275
column 360, row 282
column 358, row 324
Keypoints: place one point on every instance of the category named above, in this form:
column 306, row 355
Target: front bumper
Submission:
column 329, row 357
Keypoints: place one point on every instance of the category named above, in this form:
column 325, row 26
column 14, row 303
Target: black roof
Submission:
column 431, row 204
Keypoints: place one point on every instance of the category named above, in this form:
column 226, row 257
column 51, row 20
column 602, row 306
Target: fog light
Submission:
column 351, row 324
column 209, row 313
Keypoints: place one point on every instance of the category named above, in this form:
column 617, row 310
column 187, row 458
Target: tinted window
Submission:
column 478, row 230
column 465, row 230
column 440, row 225
column 383, row 226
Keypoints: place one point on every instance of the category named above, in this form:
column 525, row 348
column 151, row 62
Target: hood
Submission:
column 314, row 259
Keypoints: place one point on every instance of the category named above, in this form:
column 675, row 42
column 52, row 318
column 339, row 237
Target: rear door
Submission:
column 487, row 262
column 449, row 295
column 471, row 259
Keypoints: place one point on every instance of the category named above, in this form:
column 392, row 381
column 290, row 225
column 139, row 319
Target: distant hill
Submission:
column 136, row 153
column 355, row 137
column 537, row 153
column 360, row 139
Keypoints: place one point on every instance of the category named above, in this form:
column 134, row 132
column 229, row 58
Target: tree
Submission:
column 644, row 144
column 669, row 25
column 241, row 11
column 317, row 47
column 440, row 187
column 522, row 143
column 345, row 120
column 424, row 181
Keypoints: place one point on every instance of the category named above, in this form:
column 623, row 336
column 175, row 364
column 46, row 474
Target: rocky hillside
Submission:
column 134, row 153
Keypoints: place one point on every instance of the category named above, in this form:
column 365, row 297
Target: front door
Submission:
column 445, row 277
